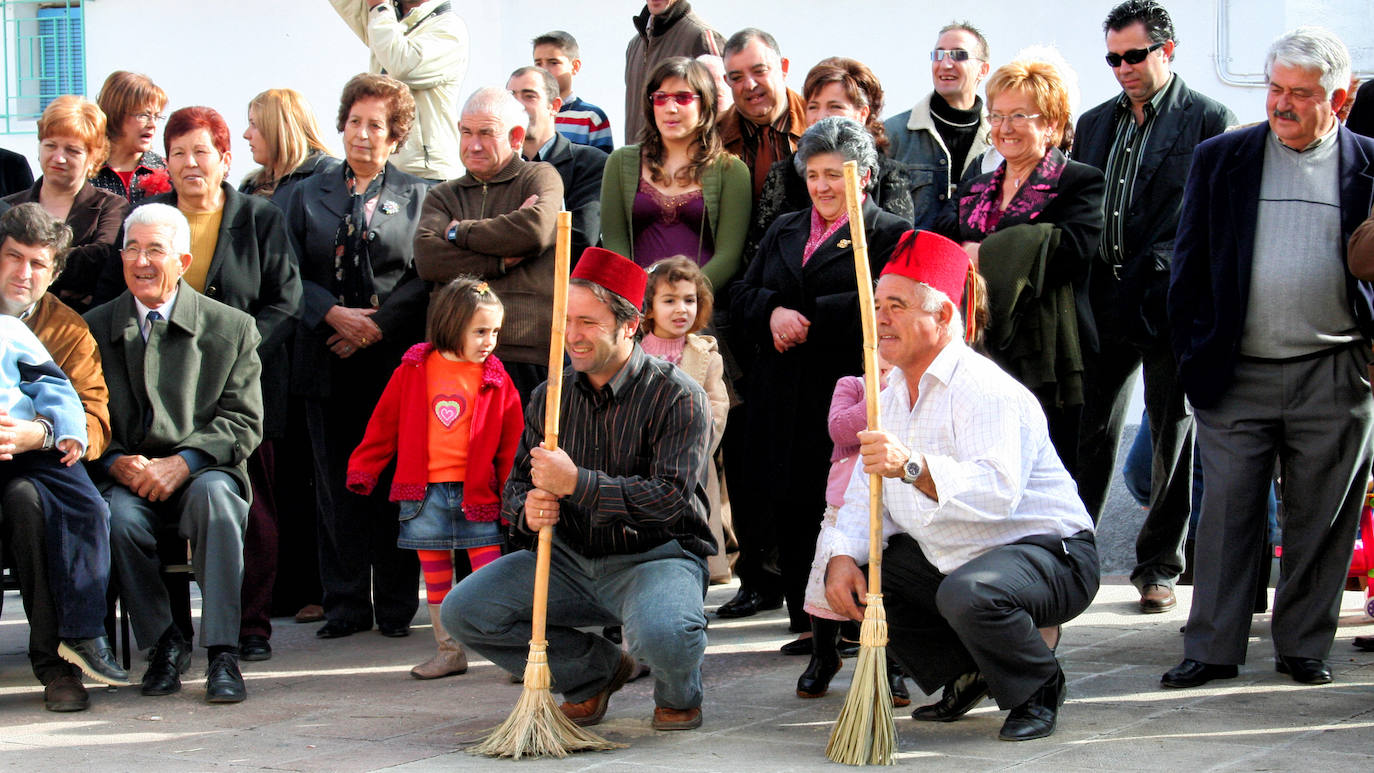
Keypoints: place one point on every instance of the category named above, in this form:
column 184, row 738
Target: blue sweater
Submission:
column 32, row 385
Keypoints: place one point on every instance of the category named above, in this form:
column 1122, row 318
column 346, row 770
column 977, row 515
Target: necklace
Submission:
column 948, row 122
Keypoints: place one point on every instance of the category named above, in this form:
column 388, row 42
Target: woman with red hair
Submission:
column 71, row 146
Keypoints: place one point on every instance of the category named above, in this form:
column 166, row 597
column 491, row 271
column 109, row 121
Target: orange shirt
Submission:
column 452, row 391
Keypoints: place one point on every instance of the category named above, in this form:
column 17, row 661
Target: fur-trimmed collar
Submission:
column 493, row 372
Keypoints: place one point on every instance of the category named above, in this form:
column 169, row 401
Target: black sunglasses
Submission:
column 1134, row 56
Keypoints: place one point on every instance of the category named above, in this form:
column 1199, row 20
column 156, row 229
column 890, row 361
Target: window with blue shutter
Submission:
column 43, row 50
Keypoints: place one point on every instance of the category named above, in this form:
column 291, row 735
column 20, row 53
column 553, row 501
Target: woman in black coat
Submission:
column 354, row 228
column 1035, row 184
column 798, row 308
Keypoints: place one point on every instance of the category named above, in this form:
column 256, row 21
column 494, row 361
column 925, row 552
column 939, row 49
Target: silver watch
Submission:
column 911, row 470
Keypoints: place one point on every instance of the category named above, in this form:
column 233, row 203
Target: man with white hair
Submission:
column 986, row 538
column 185, row 413
column 497, row 222
column 1272, row 334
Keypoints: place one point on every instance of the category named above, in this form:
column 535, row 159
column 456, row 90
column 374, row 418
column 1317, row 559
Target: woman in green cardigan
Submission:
column 678, row 192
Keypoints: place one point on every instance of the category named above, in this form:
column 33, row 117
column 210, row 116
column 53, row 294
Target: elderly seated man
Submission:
column 186, row 411
column 987, row 539
column 53, row 524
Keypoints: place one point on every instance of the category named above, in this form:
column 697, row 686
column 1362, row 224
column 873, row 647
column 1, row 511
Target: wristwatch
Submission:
column 452, row 234
column 49, row 435
column 911, row 470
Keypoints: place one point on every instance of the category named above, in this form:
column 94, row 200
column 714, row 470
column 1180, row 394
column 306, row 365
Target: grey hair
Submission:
column 551, row 90
column 1312, row 48
column 623, row 310
column 162, row 216
column 32, row 226
column 932, row 300
column 837, row 134
column 496, row 101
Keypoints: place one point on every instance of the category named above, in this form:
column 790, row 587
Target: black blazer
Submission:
column 1076, row 210
column 97, row 222
column 1186, row 118
column 316, row 207
column 788, row 393
column 581, row 167
column 1209, row 284
column 15, row 174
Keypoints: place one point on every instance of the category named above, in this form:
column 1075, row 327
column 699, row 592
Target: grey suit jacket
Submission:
column 195, row 384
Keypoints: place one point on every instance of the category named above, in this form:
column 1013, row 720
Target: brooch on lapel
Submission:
column 843, row 243
column 389, row 208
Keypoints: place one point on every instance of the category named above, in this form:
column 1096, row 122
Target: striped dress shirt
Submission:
column 1122, row 164
column 640, row 446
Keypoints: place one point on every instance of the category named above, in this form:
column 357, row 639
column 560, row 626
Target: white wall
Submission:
column 222, row 52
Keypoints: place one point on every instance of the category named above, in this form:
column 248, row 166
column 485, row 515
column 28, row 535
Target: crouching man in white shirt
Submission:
column 987, row 539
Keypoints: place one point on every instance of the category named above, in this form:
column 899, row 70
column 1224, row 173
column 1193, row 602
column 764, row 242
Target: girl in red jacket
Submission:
column 451, row 418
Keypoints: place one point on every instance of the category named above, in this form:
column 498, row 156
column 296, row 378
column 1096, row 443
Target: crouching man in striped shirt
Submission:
column 625, row 493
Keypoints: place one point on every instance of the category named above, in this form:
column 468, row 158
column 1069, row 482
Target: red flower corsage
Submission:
column 156, row 182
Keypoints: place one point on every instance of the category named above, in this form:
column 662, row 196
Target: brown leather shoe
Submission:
column 1157, row 598
column 676, row 719
column 66, row 693
column 589, row 712
column 310, row 613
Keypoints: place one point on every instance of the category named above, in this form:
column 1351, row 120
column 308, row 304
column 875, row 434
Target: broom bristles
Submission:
column 536, row 727
column 864, row 733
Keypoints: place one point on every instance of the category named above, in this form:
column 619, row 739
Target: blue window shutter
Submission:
column 63, row 65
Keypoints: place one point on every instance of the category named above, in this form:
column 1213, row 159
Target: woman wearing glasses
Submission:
column 133, row 106
column 678, row 192
column 1031, row 226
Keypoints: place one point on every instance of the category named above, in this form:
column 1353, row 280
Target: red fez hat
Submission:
column 931, row 259
column 618, row 274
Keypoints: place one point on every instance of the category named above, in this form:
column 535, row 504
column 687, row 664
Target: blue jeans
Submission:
column 656, row 595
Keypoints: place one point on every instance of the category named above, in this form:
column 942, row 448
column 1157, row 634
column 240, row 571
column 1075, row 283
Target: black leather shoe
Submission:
column 959, row 697
column 1365, row 643
column 1303, row 670
column 223, row 681
column 1036, row 717
column 171, row 657
column 337, row 629
column 66, row 693
column 1193, row 673
column 848, row 648
column 394, row 630
column 815, row 680
column 748, row 602
column 896, row 680
column 801, row 646
column 95, row 658
column 254, row 647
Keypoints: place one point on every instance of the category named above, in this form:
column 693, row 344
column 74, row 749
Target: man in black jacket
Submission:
column 1143, row 140
column 580, row 166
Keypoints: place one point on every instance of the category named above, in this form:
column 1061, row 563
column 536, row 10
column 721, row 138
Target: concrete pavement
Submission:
column 349, row 705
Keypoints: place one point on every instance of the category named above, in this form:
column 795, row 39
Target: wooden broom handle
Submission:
column 864, row 279
column 553, row 394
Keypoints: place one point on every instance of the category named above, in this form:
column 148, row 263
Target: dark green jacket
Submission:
column 194, row 386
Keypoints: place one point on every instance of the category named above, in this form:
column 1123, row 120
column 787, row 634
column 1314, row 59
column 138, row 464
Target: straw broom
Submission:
column 536, row 727
column 864, row 733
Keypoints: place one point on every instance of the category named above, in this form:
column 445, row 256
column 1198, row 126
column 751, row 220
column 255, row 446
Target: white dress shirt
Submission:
column 144, row 325
column 988, row 450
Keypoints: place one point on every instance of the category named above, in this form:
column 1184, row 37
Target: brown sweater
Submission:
column 677, row 32
column 510, row 247
column 1360, row 253
column 67, row 338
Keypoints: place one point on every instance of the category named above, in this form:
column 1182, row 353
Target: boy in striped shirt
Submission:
column 580, row 121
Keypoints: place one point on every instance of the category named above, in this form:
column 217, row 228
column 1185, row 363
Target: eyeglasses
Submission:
column 1017, row 119
column 153, row 254
column 683, row 98
column 953, row 54
column 154, row 118
column 1134, row 56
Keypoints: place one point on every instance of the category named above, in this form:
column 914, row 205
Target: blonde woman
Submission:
column 285, row 142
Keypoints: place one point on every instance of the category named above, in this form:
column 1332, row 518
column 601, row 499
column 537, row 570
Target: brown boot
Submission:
column 450, row 660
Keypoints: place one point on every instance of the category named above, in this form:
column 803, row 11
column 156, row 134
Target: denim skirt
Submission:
column 437, row 522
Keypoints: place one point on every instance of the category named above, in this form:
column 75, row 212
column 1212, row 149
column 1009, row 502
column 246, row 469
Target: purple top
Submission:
column 665, row 226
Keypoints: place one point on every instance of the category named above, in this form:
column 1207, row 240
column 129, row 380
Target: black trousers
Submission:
column 23, row 547
column 984, row 615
